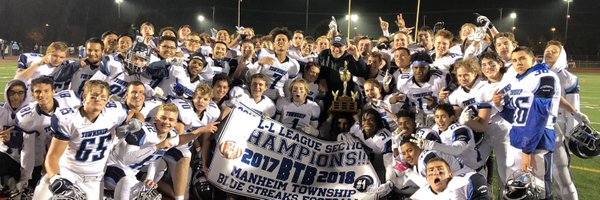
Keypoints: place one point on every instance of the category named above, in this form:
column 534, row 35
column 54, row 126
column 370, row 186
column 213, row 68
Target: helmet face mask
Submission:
column 73, row 193
column 521, row 186
column 149, row 194
column 137, row 58
column 584, row 141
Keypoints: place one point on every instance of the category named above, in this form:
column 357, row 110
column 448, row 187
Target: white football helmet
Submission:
column 73, row 193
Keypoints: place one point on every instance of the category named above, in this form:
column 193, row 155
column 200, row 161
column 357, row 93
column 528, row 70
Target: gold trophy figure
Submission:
column 345, row 103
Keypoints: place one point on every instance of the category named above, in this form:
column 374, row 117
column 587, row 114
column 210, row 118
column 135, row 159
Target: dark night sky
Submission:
column 74, row 21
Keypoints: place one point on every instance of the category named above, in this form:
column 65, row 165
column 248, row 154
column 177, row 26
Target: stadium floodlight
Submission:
column 200, row 18
column 513, row 15
column 354, row 17
column 119, row 2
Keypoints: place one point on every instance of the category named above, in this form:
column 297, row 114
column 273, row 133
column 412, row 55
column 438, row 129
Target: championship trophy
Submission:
column 345, row 103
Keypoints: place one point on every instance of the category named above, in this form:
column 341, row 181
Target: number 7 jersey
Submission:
column 89, row 142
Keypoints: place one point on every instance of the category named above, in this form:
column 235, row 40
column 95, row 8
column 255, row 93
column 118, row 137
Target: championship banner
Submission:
column 260, row 158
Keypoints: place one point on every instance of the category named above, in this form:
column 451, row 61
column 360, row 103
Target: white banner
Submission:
column 260, row 158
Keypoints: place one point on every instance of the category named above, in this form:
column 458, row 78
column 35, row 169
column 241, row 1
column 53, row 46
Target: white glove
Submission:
column 333, row 24
column 239, row 29
column 465, row 116
column 478, row 35
column 21, row 185
column 485, row 21
column 387, row 79
column 213, row 33
column 580, row 117
column 346, row 137
column 158, row 93
column 418, row 140
column 177, row 61
column 375, row 192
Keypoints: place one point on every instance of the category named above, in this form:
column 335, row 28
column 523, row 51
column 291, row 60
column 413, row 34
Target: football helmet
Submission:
column 521, row 186
column 584, row 141
column 73, row 192
column 137, row 57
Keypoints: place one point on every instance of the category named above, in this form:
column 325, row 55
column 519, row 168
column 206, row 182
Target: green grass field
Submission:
column 586, row 173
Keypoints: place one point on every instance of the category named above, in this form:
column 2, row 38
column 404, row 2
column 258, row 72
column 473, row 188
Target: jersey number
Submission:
column 83, row 154
column 276, row 77
column 521, row 112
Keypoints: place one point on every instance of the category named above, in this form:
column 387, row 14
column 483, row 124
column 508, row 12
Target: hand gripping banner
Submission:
column 260, row 158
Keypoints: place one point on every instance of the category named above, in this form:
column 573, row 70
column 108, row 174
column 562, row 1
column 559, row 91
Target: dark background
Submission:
column 74, row 21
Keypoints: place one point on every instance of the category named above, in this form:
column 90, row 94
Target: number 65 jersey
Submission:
column 533, row 102
column 89, row 142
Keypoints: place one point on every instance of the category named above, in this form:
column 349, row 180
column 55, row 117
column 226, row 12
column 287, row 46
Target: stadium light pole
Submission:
column 513, row 16
column 567, row 20
column 306, row 23
column 239, row 11
column 200, row 19
column 119, row 2
column 350, row 14
column 417, row 20
column 351, row 19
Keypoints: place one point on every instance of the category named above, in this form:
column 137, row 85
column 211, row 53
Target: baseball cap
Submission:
column 340, row 41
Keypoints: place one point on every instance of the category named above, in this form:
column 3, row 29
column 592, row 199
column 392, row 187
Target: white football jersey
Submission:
column 191, row 120
column 177, row 74
column 89, row 142
column 458, row 140
column 467, row 99
column 402, row 78
column 277, row 74
column 265, row 106
column 417, row 92
column 486, row 95
column 118, row 78
column 27, row 59
column 80, row 77
column 444, row 63
column 462, row 187
column 37, row 130
column 380, row 143
column 298, row 116
column 7, row 120
column 146, row 138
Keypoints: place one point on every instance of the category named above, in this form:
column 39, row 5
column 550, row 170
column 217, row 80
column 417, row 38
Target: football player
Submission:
column 77, row 73
column 443, row 184
column 34, row 121
column 532, row 107
column 279, row 67
column 298, row 112
column 35, row 65
column 82, row 141
column 11, row 139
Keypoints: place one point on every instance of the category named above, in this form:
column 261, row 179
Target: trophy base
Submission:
column 344, row 104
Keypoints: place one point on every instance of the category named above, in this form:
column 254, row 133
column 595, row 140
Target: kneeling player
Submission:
column 141, row 147
column 443, row 185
